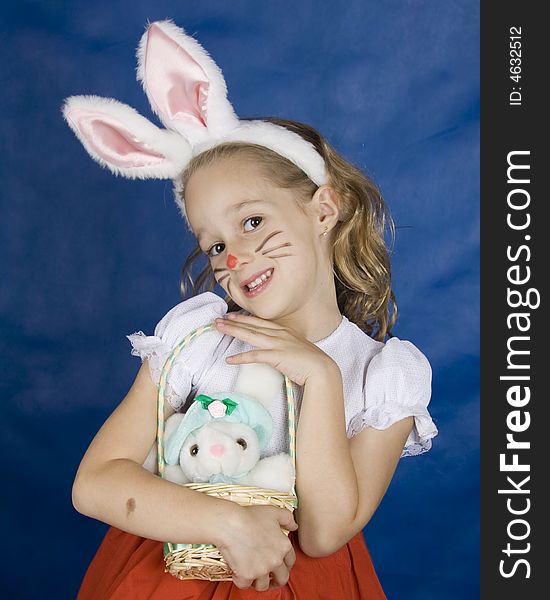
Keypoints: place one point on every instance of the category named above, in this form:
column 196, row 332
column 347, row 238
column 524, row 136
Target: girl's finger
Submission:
column 244, row 331
column 238, row 318
column 252, row 356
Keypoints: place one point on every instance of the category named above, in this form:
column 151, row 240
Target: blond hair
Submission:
column 360, row 258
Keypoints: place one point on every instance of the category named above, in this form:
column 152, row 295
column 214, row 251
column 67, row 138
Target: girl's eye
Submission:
column 210, row 252
column 254, row 219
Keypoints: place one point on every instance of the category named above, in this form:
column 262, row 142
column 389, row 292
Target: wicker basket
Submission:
column 205, row 561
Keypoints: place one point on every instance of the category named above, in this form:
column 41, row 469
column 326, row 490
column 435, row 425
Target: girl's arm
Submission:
column 339, row 481
column 112, row 486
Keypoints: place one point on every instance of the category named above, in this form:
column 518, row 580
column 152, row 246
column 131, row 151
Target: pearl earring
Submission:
column 326, row 230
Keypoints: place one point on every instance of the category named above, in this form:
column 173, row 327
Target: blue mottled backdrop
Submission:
column 87, row 258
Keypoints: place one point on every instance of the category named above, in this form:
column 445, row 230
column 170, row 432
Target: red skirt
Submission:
column 128, row 567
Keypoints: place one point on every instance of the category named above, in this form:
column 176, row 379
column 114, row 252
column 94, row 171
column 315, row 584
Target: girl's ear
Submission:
column 119, row 138
column 326, row 206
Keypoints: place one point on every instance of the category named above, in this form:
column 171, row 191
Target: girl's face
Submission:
column 248, row 227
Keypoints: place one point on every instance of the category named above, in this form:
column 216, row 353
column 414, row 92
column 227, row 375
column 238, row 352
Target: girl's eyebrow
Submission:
column 238, row 207
column 234, row 209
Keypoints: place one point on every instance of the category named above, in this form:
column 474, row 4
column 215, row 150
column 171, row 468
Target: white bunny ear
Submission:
column 185, row 87
column 119, row 138
column 260, row 381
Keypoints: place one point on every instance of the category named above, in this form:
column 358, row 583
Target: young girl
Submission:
column 294, row 235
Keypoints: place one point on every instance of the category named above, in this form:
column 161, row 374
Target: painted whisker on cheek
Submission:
column 268, row 237
column 277, row 247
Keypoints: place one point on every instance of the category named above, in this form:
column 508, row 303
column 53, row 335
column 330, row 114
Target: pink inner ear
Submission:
column 113, row 142
column 175, row 81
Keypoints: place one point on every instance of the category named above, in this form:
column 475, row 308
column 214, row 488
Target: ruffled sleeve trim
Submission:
column 398, row 385
column 152, row 348
column 171, row 329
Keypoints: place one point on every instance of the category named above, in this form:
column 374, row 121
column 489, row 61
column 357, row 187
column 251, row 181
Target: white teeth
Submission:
column 259, row 280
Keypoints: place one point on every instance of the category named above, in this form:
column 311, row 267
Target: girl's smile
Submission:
column 257, row 285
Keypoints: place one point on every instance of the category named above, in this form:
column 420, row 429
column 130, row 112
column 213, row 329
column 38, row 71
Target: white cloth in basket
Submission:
column 383, row 382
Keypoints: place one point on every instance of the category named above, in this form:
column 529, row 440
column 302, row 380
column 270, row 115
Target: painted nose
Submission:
column 217, row 450
column 231, row 261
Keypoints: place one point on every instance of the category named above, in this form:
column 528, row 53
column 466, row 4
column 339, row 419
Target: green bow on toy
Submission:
column 205, row 400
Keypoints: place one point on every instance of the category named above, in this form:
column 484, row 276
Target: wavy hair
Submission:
column 360, row 257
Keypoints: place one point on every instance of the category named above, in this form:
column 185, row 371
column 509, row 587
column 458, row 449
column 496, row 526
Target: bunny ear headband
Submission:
column 187, row 91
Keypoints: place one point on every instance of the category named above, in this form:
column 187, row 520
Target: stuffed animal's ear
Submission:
column 170, row 426
column 172, row 423
column 179, row 430
column 260, row 381
column 185, row 87
column 119, row 138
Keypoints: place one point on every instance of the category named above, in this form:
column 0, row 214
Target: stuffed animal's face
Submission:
column 219, row 447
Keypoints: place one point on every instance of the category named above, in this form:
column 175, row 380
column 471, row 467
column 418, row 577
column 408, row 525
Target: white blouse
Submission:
column 382, row 382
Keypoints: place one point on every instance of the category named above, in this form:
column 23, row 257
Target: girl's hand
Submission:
column 257, row 548
column 276, row 345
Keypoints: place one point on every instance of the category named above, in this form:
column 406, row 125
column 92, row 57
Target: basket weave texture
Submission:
column 205, row 561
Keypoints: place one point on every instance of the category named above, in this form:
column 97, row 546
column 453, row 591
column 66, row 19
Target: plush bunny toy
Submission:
column 220, row 437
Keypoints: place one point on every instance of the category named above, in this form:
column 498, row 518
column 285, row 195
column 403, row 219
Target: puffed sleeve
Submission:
column 171, row 329
column 397, row 385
